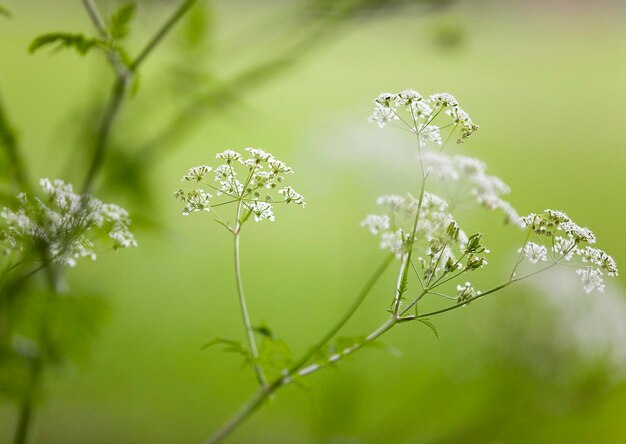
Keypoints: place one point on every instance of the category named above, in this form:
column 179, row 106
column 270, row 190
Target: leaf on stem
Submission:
column 62, row 40
column 119, row 23
column 427, row 322
column 230, row 346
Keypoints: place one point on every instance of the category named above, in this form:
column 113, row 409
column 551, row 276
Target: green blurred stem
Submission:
column 124, row 77
column 27, row 407
column 254, row 352
column 37, row 363
column 118, row 94
column 8, row 140
column 162, row 32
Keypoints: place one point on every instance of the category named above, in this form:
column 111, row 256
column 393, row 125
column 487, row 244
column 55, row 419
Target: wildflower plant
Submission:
column 42, row 233
column 251, row 184
column 418, row 229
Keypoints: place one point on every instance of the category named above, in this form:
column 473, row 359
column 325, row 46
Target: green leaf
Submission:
column 230, row 346
column 62, row 40
column 427, row 322
column 119, row 24
column 265, row 331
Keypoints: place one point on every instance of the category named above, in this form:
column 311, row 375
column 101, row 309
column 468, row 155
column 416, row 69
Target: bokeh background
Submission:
column 535, row 363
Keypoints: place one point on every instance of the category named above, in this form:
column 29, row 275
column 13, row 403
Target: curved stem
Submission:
column 246, row 411
column 346, row 317
column 254, row 352
column 263, row 393
column 162, row 32
column 385, row 327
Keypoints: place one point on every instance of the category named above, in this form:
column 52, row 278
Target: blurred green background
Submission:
column 546, row 82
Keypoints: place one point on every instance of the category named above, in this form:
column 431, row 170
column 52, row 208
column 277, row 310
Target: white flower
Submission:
column 196, row 174
column 292, row 196
column 465, row 292
column 382, row 116
column 261, row 211
column 376, row 223
column 591, row 279
column 259, row 155
column 486, row 190
column 195, row 200
column 395, row 202
column 65, row 223
column 419, row 115
column 252, row 182
column 564, row 247
column 229, row 156
column 535, row 253
column 408, row 97
column 430, row 134
column 599, row 258
column 444, row 99
column 393, row 241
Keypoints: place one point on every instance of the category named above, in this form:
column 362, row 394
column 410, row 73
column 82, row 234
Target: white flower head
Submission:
column 376, row 223
column 65, row 223
column 535, row 252
column 591, row 279
column 196, row 174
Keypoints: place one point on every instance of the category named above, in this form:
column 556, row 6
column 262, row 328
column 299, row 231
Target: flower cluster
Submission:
column 439, row 246
column 252, row 181
column 486, row 190
column 418, row 114
column 64, row 224
column 568, row 242
column 465, row 292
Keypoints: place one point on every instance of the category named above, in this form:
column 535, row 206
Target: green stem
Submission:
column 254, row 352
column 162, row 32
column 264, row 393
column 384, row 328
column 104, row 132
column 9, row 141
column 346, row 317
column 27, row 407
column 37, row 363
column 246, row 411
column 402, row 275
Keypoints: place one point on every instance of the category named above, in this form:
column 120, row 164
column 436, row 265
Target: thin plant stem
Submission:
column 254, row 352
column 124, row 78
column 246, row 411
column 8, row 140
column 37, row 363
column 27, row 406
column 118, row 94
column 346, row 317
column 162, row 32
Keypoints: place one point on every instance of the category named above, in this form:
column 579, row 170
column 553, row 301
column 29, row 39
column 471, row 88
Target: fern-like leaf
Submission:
column 63, row 40
column 119, row 24
column 427, row 322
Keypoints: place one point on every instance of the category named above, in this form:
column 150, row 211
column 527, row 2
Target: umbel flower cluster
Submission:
column 563, row 241
column 473, row 182
column 255, row 182
column 418, row 114
column 64, row 224
column 439, row 253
